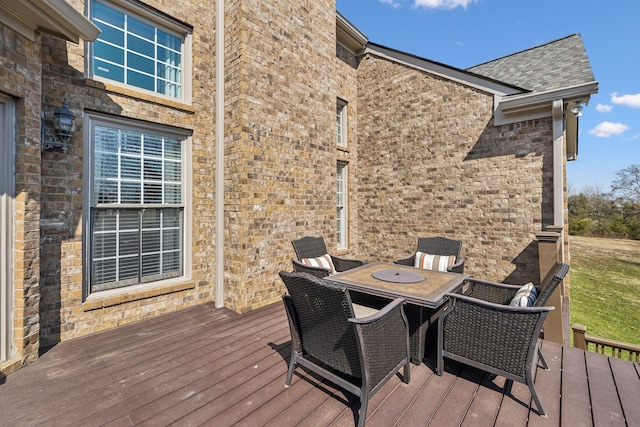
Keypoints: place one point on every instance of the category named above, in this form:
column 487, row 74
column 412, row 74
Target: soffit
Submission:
column 55, row 17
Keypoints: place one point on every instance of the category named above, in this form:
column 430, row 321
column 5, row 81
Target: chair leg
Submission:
column 541, row 358
column 292, row 367
column 362, row 414
column 536, row 398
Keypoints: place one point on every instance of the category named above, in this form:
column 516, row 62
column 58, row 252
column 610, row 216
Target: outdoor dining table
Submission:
column 423, row 290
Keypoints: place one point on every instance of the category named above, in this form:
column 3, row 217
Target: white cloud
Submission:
column 628, row 100
column 603, row 108
column 391, row 3
column 608, row 129
column 443, row 4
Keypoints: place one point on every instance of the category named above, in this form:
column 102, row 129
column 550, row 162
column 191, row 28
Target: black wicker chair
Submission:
column 438, row 246
column 481, row 329
column 328, row 340
column 313, row 247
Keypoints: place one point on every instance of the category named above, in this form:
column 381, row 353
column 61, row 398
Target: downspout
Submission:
column 219, row 176
column 558, row 163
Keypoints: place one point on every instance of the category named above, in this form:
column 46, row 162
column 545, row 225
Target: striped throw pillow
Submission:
column 323, row 261
column 434, row 262
column 525, row 297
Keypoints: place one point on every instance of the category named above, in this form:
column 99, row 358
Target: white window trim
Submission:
column 144, row 14
column 344, row 219
column 7, row 149
column 343, row 122
column 93, row 119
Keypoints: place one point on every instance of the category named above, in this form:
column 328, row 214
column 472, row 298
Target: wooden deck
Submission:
column 208, row 366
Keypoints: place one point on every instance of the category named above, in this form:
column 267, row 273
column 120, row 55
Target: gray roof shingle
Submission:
column 555, row 65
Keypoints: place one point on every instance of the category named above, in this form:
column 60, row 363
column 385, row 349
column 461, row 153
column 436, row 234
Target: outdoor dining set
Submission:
column 360, row 324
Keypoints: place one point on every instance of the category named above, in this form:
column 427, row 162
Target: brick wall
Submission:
column 432, row 163
column 280, row 153
column 19, row 78
column 63, row 314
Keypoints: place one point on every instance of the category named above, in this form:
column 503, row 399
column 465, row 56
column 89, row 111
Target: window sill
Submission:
column 342, row 148
column 108, row 299
column 131, row 93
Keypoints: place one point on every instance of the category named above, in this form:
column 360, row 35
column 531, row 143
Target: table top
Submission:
column 427, row 292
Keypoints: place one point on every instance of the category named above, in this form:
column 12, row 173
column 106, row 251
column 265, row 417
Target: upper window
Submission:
column 136, row 204
column 137, row 51
column 341, row 123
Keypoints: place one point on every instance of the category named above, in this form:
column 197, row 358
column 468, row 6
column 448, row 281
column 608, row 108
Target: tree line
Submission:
column 616, row 214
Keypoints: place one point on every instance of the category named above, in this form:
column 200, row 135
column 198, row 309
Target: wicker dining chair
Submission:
column 438, row 246
column 328, row 340
column 311, row 248
column 480, row 328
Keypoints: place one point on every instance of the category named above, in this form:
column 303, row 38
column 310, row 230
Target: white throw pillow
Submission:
column 434, row 262
column 323, row 261
column 525, row 297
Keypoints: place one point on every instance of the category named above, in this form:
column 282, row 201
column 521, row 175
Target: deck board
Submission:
column 208, row 366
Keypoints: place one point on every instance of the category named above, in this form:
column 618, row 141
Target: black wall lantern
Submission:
column 63, row 123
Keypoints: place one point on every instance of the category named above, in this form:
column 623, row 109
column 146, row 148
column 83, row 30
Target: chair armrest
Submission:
column 344, row 264
column 410, row 260
column 384, row 341
column 319, row 272
column 498, row 293
column 496, row 335
column 458, row 267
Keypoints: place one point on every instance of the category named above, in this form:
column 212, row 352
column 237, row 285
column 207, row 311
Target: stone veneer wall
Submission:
column 19, row 78
column 431, row 163
column 280, row 136
column 63, row 314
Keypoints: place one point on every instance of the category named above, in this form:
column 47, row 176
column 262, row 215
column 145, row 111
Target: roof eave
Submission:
column 349, row 35
column 519, row 107
column 55, row 17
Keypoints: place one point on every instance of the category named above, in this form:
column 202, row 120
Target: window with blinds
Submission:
column 137, row 209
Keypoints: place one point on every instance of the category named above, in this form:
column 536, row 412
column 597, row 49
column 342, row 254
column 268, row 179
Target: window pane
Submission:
column 140, row 28
column 139, row 46
column 140, row 80
column 110, row 71
column 152, row 193
column 152, row 145
column 153, row 169
column 130, row 167
column 166, row 39
column 106, row 14
column 129, row 219
column 128, row 244
column 171, row 240
column 128, row 268
column 104, row 245
column 106, row 191
column 151, row 241
column 108, row 53
column 172, row 194
column 110, row 34
column 130, row 192
column 140, row 63
column 104, row 271
column 169, row 89
column 130, row 142
column 169, row 58
column 172, row 171
column 151, row 219
column 172, row 149
column 150, row 264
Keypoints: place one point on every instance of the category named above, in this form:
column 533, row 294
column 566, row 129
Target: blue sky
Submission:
column 463, row 33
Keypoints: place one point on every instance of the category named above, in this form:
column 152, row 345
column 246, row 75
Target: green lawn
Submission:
column 605, row 287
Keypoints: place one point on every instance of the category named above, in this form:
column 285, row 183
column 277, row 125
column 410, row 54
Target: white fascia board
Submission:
column 517, row 108
column 349, row 36
column 51, row 16
column 450, row 73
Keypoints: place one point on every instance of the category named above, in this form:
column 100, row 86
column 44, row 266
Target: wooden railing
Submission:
column 621, row 350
